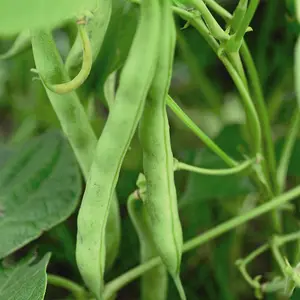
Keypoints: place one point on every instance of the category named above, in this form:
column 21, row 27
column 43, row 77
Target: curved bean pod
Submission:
column 113, row 145
column 154, row 284
column 161, row 198
column 96, row 29
column 78, row 80
column 74, row 123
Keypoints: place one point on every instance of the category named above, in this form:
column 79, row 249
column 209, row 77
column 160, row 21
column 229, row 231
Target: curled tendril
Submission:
column 79, row 79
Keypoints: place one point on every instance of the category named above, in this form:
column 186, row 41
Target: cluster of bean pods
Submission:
column 140, row 101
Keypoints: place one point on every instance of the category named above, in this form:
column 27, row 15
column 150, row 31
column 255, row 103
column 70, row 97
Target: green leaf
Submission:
column 24, row 280
column 17, row 15
column 39, row 188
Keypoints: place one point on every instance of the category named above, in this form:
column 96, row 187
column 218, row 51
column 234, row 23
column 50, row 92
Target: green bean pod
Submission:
column 21, row 43
column 112, row 233
column 154, row 283
column 74, row 123
column 68, row 108
column 135, row 81
column 161, row 198
column 96, row 29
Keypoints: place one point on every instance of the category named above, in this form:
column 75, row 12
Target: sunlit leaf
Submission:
column 39, row 188
column 17, row 15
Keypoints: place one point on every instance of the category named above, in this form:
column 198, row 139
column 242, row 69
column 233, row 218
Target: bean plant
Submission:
column 152, row 142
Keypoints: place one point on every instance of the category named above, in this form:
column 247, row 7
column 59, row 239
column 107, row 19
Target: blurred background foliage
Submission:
column 204, row 90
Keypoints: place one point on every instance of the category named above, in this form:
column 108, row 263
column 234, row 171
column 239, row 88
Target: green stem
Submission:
column 258, row 251
column 180, row 166
column 235, row 59
column 238, row 15
column 249, row 107
column 252, row 282
column 198, row 132
column 277, row 255
column 235, row 41
column 262, row 111
column 278, row 241
column 121, row 281
column 214, row 27
column 297, row 70
column 77, row 290
column 218, row 9
column 287, row 150
column 206, row 87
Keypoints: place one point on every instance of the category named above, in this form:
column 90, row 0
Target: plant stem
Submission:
column 206, row 87
column 287, row 150
column 297, row 69
column 214, row 27
column 198, row 132
column 238, row 15
column 277, row 255
column 121, row 281
column 180, row 166
column 218, row 9
column 235, row 41
column 262, row 111
column 77, row 290
column 249, row 107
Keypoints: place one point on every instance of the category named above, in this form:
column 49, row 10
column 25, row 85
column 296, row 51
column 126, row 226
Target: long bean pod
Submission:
column 154, row 284
column 113, row 144
column 74, row 123
column 161, row 199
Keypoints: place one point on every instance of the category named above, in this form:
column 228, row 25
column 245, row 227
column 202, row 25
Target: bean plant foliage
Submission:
column 149, row 149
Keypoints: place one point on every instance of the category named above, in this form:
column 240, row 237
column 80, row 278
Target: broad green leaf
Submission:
column 39, row 188
column 24, row 281
column 17, row 15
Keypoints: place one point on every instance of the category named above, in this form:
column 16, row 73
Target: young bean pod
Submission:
column 135, row 81
column 96, row 29
column 75, row 125
column 154, row 284
column 161, row 198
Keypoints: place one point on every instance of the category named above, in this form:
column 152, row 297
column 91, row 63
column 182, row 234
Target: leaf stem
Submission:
column 77, row 290
column 121, row 281
column 198, row 132
column 235, row 41
column 180, row 166
column 259, row 102
column 214, row 27
column 287, row 150
column 219, row 9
